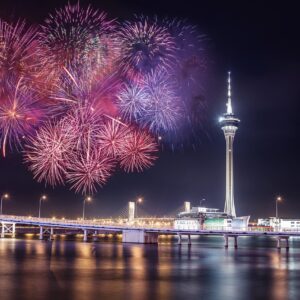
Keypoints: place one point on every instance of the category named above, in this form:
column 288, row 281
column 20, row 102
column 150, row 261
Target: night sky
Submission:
column 259, row 42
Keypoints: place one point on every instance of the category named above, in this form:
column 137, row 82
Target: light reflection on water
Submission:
column 32, row 269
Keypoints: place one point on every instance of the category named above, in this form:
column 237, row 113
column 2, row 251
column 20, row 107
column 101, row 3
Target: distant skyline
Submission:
column 258, row 43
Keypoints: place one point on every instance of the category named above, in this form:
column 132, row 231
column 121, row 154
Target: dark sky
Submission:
column 259, row 42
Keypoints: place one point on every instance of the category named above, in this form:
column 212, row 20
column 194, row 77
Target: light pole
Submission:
column 87, row 199
column 42, row 198
column 4, row 196
column 278, row 199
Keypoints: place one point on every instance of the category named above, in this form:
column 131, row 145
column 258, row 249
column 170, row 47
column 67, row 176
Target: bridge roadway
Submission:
column 134, row 233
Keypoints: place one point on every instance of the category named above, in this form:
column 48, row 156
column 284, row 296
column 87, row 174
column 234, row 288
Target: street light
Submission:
column 278, row 199
column 87, row 199
column 4, row 196
column 42, row 198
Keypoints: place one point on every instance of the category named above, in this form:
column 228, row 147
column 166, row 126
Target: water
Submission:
column 32, row 269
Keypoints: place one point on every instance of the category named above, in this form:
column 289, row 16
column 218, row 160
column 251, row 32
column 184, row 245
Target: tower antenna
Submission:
column 229, row 105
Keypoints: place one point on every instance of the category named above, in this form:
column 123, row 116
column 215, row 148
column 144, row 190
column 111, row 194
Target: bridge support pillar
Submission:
column 85, row 235
column 9, row 228
column 226, row 241
column 51, row 233
column 235, row 241
column 179, row 239
column 139, row 236
column 189, row 240
column 286, row 238
column 41, row 233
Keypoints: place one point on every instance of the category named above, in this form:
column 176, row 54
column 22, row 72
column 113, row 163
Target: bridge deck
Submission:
column 97, row 225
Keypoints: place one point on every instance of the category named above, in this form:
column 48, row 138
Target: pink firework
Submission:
column 139, row 151
column 111, row 137
column 88, row 170
column 47, row 153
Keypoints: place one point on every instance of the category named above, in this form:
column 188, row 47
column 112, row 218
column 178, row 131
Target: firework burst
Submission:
column 139, row 151
column 145, row 46
column 89, row 170
column 77, row 37
column 18, row 50
column 111, row 137
column 20, row 112
column 163, row 109
column 132, row 101
column 47, row 153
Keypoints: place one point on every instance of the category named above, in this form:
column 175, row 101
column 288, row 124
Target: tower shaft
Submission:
column 229, row 199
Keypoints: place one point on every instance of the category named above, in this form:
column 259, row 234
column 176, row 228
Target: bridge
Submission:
column 133, row 232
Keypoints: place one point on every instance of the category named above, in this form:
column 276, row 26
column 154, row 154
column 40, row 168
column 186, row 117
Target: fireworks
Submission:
column 146, row 46
column 90, row 96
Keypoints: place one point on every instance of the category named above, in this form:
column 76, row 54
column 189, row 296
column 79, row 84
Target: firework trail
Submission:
column 145, row 46
column 139, row 151
column 47, row 153
column 20, row 113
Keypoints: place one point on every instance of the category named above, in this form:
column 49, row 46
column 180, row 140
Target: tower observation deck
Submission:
column 229, row 124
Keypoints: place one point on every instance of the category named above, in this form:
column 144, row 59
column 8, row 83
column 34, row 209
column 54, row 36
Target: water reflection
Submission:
column 31, row 269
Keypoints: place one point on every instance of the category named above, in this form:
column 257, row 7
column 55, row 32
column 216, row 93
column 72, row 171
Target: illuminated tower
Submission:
column 229, row 124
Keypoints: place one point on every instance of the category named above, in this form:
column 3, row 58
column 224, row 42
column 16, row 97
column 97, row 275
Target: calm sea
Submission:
column 31, row 269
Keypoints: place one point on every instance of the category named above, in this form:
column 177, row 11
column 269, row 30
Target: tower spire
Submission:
column 229, row 106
